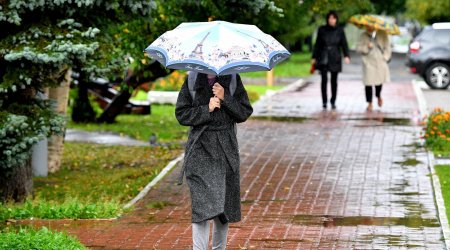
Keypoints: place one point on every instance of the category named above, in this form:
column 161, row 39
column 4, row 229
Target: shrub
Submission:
column 72, row 209
column 253, row 96
column 26, row 238
column 172, row 82
column 437, row 130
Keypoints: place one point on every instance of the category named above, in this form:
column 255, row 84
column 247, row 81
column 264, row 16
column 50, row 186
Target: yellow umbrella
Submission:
column 376, row 22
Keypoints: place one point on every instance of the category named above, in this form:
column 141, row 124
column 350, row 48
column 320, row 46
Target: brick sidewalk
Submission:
column 344, row 180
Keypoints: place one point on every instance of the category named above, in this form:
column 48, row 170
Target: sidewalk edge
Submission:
column 420, row 98
column 442, row 215
column 441, row 211
column 160, row 176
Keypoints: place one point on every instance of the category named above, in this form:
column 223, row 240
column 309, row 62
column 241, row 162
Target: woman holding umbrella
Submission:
column 212, row 160
column 327, row 55
column 375, row 48
column 211, row 101
column 376, row 51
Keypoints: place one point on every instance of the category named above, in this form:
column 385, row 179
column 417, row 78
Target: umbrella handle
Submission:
column 374, row 34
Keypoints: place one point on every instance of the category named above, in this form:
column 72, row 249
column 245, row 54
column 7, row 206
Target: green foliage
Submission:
column 443, row 171
column 437, row 131
column 21, row 127
column 297, row 65
column 389, row 7
column 172, row 82
column 428, row 11
column 253, row 96
column 73, row 208
column 27, row 238
column 345, row 8
column 39, row 41
column 261, row 89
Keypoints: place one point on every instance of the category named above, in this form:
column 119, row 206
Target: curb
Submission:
column 293, row 86
column 420, row 98
column 439, row 200
column 441, row 211
column 161, row 175
column 270, row 93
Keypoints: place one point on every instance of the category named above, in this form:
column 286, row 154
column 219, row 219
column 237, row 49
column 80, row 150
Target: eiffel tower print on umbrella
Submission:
column 218, row 48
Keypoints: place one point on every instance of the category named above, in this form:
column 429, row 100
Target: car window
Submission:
column 442, row 36
column 425, row 35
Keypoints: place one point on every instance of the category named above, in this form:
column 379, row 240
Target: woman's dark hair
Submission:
column 334, row 14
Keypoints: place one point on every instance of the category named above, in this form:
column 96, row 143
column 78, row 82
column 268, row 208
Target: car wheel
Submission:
column 437, row 76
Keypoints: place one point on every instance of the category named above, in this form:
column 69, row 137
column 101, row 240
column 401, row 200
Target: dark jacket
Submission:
column 332, row 40
column 212, row 155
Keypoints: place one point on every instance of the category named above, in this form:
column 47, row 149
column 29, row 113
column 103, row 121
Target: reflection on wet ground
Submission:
column 336, row 221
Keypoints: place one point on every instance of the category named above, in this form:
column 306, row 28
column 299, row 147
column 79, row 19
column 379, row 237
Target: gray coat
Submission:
column 211, row 164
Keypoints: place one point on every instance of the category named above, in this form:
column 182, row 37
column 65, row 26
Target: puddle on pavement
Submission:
column 407, row 193
column 381, row 121
column 261, row 201
column 280, row 118
column 391, row 240
column 414, row 145
column 159, row 204
column 408, row 162
column 413, row 208
column 335, row 221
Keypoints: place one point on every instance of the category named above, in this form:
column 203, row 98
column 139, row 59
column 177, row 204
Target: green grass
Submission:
column 443, row 171
column 261, row 89
column 140, row 96
column 441, row 153
column 298, row 65
column 162, row 122
column 69, row 209
column 95, row 182
column 27, row 238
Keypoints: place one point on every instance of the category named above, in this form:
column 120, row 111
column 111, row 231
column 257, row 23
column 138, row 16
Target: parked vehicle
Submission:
column 429, row 55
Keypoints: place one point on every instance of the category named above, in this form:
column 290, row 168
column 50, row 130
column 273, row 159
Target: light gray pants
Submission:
column 200, row 235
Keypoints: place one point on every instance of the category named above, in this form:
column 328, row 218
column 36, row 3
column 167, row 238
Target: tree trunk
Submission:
column 115, row 107
column 16, row 183
column 133, row 80
column 56, row 143
column 82, row 110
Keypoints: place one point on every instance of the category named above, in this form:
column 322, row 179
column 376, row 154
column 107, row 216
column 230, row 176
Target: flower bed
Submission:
column 437, row 132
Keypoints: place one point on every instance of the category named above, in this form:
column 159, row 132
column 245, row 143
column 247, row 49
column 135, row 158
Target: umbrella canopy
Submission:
column 218, row 48
column 376, row 22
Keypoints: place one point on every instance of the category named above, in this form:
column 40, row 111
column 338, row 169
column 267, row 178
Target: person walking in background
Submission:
column 327, row 55
column 211, row 163
column 376, row 52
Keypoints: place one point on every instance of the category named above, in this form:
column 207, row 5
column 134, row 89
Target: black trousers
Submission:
column 369, row 92
column 324, row 74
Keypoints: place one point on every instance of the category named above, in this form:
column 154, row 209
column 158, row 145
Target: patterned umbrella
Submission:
column 218, row 48
column 376, row 22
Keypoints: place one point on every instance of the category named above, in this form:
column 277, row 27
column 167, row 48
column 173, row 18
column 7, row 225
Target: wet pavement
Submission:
column 101, row 138
column 310, row 179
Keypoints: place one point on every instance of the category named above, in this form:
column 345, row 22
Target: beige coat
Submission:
column 375, row 67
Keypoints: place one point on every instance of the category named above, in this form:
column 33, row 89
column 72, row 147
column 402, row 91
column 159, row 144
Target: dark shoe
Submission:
column 324, row 106
column 333, row 107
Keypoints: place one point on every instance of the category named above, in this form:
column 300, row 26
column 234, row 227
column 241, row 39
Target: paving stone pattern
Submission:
column 320, row 180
